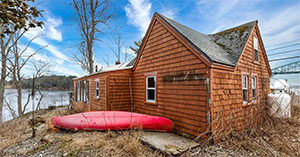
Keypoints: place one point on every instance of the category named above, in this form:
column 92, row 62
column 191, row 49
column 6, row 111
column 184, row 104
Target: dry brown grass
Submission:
column 18, row 129
column 264, row 135
column 123, row 143
column 86, row 143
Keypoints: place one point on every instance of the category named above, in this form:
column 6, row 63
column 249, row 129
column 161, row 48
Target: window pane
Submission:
column 87, row 90
column 254, row 94
column 256, row 55
column 255, row 44
column 97, row 92
column 244, row 81
column 245, row 95
column 151, row 94
column 78, row 91
column 151, row 82
column 253, row 82
column 75, row 92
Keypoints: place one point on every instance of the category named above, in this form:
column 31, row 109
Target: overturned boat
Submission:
column 112, row 120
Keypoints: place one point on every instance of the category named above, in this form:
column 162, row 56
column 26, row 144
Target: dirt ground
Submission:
column 280, row 139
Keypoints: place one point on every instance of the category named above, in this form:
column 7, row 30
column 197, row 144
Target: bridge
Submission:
column 291, row 68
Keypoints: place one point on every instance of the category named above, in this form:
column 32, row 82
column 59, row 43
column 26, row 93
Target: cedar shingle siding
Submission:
column 198, row 77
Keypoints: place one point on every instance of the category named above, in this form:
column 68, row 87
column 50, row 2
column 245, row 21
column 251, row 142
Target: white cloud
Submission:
column 51, row 28
column 63, row 70
column 283, row 25
column 138, row 13
column 41, row 41
column 168, row 13
column 37, row 57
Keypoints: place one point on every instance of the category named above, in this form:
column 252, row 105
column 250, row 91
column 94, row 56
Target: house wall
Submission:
column 227, row 109
column 94, row 104
column 114, row 92
column 184, row 102
column 119, row 90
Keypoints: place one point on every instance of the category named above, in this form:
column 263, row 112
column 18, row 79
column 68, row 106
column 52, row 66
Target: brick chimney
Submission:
column 117, row 62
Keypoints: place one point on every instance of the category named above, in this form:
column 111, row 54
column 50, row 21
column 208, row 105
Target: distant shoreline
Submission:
column 41, row 89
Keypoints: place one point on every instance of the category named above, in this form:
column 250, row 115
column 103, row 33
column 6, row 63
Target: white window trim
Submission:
column 87, row 91
column 255, row 43
column 255, row 47
column 252, row 86
column 152, row 101
column 78, row 90
column 245, row 88
column 97, row 88
column 82, row 91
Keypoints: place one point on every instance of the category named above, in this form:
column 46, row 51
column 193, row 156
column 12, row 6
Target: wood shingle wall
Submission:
column 94, row 103
column 182, row 101
column 119, row 90
column 228, row 110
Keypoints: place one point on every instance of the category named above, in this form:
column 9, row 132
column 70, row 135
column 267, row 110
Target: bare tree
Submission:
column 4, row 44
column 83, row 58
column 90, row 15
column 15, row 15
column 41, row 68
column 116, row 45
column 137, row 46
column 17, row 61
column 106, row 60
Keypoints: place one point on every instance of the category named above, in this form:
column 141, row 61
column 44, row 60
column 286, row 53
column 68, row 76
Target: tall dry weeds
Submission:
column 260, row 133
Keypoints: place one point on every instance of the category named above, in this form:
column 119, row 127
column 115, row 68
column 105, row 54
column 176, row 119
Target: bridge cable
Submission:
column 283, row 43
column 283, row 47
column 283, row 52
column 279, row 59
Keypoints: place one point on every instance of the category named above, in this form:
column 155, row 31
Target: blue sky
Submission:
column 279, row 21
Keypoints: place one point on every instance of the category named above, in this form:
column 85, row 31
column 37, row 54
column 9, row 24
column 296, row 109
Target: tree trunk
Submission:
column 91, row 61
column 2, row 81
column 20, row 109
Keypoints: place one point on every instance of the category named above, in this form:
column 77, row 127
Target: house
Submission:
column 202, row 82
column 107, row 89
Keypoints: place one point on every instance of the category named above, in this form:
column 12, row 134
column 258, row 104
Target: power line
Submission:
column 284, row 42
column 283, row 47
column 283, row 52
column 279, row 59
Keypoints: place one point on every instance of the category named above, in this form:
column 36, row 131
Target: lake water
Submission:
column 55, row 98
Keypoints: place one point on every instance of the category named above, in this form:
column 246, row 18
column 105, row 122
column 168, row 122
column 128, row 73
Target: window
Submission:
column 82, row 90
column 254, row 88
column 87, row 91
column 245, row 88
column 97, row 89
column 150, row 88
column 255, row 42
column 76, row 91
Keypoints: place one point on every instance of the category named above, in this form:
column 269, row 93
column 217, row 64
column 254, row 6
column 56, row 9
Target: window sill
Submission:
column 151, row 103
column 256, row 62
column 245, row 104
column 249, row 103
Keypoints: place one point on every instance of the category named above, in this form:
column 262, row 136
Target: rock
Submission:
column 51, row 107
column 43, row 141
column 36, row 120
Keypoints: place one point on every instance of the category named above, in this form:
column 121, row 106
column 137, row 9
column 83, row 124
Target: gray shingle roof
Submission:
column 131, row 63
column 223, row 47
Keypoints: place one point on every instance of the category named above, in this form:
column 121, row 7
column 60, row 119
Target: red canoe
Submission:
column 112, row 120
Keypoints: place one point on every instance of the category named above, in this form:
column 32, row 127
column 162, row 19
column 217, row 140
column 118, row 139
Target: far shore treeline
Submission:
column 52, row 82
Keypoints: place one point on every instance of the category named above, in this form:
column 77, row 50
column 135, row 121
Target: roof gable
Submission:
column 178, row 36
column 223, row 47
